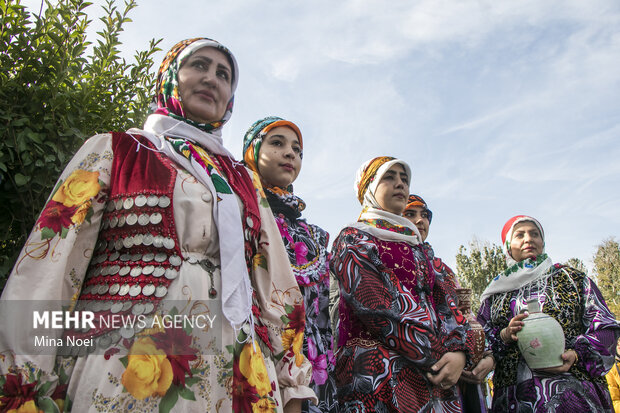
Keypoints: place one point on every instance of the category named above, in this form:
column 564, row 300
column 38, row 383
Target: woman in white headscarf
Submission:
column 402, row 341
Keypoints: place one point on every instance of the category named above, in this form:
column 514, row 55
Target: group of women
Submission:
column 164, row 221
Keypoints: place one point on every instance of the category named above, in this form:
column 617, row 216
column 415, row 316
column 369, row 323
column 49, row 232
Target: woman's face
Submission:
column 393, row 190
column 205, row 82
column 526, row 241
column 279, row 157
column 419, row 217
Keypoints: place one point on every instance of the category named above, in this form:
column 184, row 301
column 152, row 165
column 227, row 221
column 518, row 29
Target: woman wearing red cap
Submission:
column 574, row 301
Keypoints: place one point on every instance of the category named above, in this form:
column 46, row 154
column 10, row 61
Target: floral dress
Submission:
column 306, row 245
column 398, row 316
column 589, row 328
column 159, row 366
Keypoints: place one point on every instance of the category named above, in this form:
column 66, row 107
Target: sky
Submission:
column 500, row 107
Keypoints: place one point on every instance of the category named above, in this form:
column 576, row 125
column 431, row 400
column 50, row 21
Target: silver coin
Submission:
column 148, row 270
column 171, row 273
column 125, row 257
column 175, row 260
column 247, row 234
column 127, row 305
column 105, row 224
column 104, row 341
column 126, row 332
column 137, row 239
column 118, row 204
column 138, row 309
column 143, row 219
column 114, row 269
column 114, row 288
column 111, row 244
column 136, row 271
column 115, row 336
column 128, row 203
column 158, row 241
column 132, row 219
column 148, row 239
column 124, row 270
column 107, row 305
column 118, row 244
column 164, row 201
column 110, row 206
column 82, row 351
column 249, row 222
column 105, row 271
column 123, row 290
column 140, row 201
column 148, row 257
column 192, row 260
column 160, row 291
column 155, row 218
column 114, row 256
column 100, row 245
column 136, row 257
column 134, row 290
column 152, row 200
column 159, row 271
column 121, row 221
column 103, row 288
column 160, row 257
column 168, row 243
column 148, row 308
column 148, row 290
column 117, row 307
column 128, row 242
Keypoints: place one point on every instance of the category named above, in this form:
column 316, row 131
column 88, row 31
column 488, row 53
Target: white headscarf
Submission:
column 374, row 219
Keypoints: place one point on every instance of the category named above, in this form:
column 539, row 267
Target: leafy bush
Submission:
column 53, row 96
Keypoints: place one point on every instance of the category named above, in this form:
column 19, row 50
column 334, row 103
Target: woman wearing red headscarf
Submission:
column 574, row 301
column 182, row 243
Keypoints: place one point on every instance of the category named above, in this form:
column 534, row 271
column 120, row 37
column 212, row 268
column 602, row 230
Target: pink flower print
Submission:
column 283, row 227
column 316, row 305
column 535, row 343
column 319, row 363
column 300, row 253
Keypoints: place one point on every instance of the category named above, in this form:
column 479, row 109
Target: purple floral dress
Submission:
column 306, row 245
column 589, row 328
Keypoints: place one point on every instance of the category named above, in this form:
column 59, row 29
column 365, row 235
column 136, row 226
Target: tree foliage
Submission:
column 53, row 94
column 577, row 264
column 477, row 267
column 607, row 271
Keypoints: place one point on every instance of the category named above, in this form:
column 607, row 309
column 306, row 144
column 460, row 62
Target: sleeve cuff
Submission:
column 292, row 396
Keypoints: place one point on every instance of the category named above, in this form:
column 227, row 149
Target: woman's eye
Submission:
column 296, row 149
column 198, row 64
column 223, row 74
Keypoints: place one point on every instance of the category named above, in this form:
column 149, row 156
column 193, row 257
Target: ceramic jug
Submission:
column 477, row 332
column 541, row 340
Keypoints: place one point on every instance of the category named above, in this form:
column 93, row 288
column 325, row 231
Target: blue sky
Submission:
column 500, row 107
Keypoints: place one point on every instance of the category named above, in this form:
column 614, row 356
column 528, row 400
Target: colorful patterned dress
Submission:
column 135, row 256
column 398, row 316
column 306, row 245
column 590, row 329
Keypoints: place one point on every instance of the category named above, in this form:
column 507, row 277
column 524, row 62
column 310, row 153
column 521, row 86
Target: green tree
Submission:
column 54, row 94
column 577, row 264
column 607, row 271
column 477, row 267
